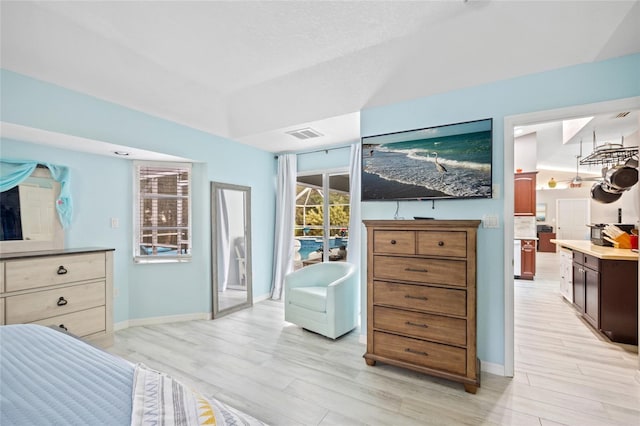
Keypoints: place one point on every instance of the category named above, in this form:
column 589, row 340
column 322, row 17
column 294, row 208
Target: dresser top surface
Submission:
column 45, row 253
column 421, row 223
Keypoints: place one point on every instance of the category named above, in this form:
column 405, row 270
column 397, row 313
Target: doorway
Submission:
column 571, row 215
column 510, row 123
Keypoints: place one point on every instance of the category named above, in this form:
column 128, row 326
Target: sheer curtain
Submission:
column 354, row 249
column 285, row 216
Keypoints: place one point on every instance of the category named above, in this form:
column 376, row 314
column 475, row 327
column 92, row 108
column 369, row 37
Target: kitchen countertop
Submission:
column 606, row 253
column 525, row 238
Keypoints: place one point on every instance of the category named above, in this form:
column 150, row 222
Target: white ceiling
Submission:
column 252, row 70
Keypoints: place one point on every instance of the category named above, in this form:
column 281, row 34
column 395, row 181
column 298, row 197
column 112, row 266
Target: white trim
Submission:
column 522, row 120
column 161, row 320
column 490, row 367
column 262, row 298
column 362, row 339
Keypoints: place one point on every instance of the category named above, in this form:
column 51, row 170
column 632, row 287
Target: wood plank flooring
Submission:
column 254, row 361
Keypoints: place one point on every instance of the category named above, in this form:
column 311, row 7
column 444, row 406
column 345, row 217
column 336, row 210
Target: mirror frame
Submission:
column 215, row 186
column 56, row 243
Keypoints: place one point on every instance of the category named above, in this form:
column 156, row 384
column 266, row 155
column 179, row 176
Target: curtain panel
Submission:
column 285, row 217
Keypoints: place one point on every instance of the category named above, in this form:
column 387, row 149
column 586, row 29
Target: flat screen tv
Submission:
column 452, row 161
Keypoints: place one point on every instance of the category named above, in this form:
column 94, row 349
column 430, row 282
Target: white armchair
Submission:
column 323, row 298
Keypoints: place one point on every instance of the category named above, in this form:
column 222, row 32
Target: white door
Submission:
column 572, row 217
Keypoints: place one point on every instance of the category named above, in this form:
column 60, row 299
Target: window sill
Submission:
column 146, row 260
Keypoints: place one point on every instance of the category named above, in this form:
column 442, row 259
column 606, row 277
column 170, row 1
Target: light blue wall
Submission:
column 102, row 188
column 582, row 84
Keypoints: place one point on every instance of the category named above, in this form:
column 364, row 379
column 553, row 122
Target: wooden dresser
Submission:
column 71, row 289
column 421, row 297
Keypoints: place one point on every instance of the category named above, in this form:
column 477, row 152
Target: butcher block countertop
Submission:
column 606, row 253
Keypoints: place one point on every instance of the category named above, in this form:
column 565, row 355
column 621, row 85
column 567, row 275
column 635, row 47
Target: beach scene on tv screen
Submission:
column 452, row 161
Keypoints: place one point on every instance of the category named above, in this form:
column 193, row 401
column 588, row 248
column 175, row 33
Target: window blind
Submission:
column 163, row 211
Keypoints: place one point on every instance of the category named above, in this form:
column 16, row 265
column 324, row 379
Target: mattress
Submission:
column 50, row 378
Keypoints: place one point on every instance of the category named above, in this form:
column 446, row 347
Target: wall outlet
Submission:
column 115, row 223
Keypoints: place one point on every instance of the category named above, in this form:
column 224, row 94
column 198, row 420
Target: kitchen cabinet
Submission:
column 544, row 242
column 527, row 259
column 605, row 292
column 524, row 189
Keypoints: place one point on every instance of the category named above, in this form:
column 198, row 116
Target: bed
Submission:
column 49, row 377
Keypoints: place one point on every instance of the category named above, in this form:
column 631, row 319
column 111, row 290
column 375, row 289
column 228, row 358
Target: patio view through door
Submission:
column 320, row 237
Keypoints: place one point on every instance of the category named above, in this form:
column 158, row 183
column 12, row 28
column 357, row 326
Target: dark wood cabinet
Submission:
column 591, row 297
column 544, row 242
column 527, row 259
column 524, row 189
column 578, row 285
column 606, row 293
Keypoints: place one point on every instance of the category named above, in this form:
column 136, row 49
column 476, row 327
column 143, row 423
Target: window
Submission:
column 162, row 212
column 321, row 237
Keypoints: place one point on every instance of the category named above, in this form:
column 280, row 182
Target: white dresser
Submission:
column 71, row 289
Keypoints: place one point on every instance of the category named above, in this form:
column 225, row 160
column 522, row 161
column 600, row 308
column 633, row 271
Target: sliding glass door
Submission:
column 321, row 237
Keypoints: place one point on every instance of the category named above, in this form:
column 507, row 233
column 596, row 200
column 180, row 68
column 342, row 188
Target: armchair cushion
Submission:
column 313, row 298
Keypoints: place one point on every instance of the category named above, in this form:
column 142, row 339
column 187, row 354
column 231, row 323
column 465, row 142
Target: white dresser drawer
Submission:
column 49, row 303
column 80, row 323
column 39, row 272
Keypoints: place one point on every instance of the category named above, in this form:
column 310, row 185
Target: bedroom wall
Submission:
column 576, row 85
column 102, row 189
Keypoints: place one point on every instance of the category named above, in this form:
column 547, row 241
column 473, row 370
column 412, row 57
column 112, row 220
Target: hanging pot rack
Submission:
column 609, row 154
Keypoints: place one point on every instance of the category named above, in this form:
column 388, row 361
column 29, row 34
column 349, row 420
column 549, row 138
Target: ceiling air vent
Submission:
column 306, row 133
column 623, row 114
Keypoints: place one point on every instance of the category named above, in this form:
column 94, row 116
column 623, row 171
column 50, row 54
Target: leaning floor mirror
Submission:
column 230, row 248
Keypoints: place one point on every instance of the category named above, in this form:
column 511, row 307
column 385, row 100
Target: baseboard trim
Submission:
column 161, row 320
column 262, row 298
column 490, row 367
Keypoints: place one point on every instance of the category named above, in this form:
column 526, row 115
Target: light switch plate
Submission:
column 490, row 221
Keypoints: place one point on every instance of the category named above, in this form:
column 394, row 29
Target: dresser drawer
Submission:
column 80, row 323
column 442, row 243
column 40, row 272
column 48, row 303
column 432, row 327
column 432, row 271
column 420, row 352
column 424, row 298
column 394, row 242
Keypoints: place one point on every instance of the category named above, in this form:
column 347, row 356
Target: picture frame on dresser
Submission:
column 421, row 297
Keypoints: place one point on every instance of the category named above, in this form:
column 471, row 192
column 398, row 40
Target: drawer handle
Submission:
column 440, row 243
column 415, row 270
column 408, row 296
column 413, row 351
column 62, row 301
column 62, row 270
column 63, row 327
column 415, row 324
column 393, row 241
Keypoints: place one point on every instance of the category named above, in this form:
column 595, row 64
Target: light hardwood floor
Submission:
column 254, row 361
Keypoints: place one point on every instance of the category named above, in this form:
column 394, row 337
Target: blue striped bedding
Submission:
column 49, row 378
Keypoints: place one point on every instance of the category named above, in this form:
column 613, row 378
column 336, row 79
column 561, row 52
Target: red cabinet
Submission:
column 524, row 189
column 528, row 259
